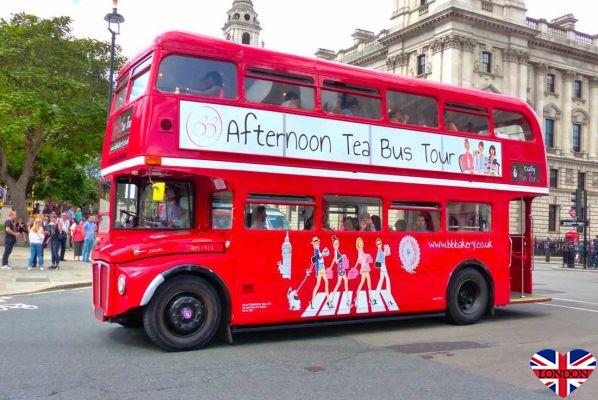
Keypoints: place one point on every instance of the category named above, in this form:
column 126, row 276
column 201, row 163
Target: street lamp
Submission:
column 114, row 20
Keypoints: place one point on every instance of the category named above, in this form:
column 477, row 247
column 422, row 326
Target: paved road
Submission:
column 59, row 351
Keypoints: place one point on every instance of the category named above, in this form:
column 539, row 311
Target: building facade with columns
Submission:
column 495, row 46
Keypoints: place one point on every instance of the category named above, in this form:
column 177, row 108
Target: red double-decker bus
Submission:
column 246, row 188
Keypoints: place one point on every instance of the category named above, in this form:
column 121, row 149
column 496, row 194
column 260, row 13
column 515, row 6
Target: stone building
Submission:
column 242, row 24
column 494, row 46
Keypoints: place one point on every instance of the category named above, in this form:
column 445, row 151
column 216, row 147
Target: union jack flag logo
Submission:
column 563, row 373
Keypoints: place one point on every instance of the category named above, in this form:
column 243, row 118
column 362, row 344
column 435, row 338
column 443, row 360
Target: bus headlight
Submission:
column 122, row 283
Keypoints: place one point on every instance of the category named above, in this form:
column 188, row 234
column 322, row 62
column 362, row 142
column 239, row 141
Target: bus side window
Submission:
column 351, row 213
column 197, row 76
column 468, row 217
column 349, row 103
column 269, row 212
column 276, row 92
column 411, row 109
column 512, row 125
column 414, row 217
column 222, row 210
column 468, row 119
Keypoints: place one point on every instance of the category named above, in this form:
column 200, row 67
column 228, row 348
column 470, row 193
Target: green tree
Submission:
column 53, row 90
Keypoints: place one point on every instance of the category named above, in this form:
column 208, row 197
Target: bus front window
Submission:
column 145, row 204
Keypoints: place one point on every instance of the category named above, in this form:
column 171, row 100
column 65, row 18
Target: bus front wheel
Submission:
column 467, row 297
column 184, row 314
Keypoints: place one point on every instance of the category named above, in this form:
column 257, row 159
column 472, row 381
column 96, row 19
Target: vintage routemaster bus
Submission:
column 246, row 188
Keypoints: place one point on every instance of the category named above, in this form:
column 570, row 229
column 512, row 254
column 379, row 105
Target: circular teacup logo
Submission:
column 204, row 126
column 409, row 253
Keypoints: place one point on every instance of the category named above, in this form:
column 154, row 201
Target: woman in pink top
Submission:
column 78, row 238
column 364, row 260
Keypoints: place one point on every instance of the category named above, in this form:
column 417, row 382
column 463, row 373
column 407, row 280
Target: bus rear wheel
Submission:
column 184, row 314
column 467, row 297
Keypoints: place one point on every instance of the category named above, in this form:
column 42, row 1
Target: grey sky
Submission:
column 298, row 27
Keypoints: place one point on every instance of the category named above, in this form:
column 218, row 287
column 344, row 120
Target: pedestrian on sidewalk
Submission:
column 89, row 229
column 78, row 215
column 66, row 225
column 78, row 238
column 36, row 243
column 57, row 235
column 10, row 238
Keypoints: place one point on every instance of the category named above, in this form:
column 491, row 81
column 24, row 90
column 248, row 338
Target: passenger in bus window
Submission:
column 211, row 85
column 326, row 222
column 292, row 100
column 377, row 222
column 401, row 225
column 172, row 213
column 307, row 215
column 258, row 218
column 451, row 126
column 398, row 117
column 348, row 224
column 420, row 224
column 349, row 105
column 365, row 223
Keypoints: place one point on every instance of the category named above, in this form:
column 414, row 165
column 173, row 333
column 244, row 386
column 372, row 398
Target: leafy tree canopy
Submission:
column 53, row 90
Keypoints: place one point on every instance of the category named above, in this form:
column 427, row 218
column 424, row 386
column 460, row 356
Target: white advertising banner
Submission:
column 212, row 127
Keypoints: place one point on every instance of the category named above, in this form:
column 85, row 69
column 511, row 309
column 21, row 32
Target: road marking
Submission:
column 572, row 308
column 4, row 306
column 575, row 301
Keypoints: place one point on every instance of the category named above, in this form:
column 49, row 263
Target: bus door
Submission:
column 521, row 246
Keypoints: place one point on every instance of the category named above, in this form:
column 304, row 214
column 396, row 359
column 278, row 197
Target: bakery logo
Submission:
column 204, row 126
column 409, row 253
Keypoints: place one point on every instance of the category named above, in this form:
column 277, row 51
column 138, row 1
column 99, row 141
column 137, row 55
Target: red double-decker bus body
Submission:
column 312, row 213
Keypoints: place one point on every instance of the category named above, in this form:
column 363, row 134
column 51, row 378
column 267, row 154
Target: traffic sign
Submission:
column 569, row 223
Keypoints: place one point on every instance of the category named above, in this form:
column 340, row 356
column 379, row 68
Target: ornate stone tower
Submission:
column 242, row 25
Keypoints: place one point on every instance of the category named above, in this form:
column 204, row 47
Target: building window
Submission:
column 577, row 92
column 550, row 83
column 423, row 2
column 421, row 64
column 549, row 133
column 552, row 214
column 581, row 180
column 576, row 137
column 554, row 178
column 246, row 39
column 486, row 62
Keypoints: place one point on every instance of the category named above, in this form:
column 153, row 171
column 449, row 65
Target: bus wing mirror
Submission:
column 158, row 189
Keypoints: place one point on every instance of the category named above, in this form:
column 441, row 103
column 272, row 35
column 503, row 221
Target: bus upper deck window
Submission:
column 512, row 125
column 198, row 77
column 347, row 102
column 468, row 119
column 139, row 85
column 121, row 94
column 411, row 109
column 281, row 89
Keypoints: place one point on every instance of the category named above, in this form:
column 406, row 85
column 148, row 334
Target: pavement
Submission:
column 19, row 280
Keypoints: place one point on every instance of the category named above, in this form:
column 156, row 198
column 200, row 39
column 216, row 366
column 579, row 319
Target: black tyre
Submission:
column 184, row 314
column 467, row 297
column 133, row 319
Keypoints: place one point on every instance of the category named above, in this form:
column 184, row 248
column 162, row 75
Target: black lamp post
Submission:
column 114, row 20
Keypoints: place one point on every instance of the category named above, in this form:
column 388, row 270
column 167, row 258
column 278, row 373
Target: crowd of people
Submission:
column 67, row 228
column 558, row 247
